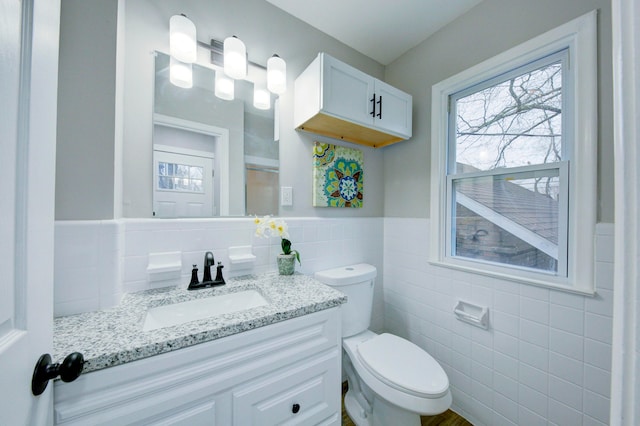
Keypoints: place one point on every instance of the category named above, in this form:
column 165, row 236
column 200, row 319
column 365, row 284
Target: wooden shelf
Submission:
column 336, row 128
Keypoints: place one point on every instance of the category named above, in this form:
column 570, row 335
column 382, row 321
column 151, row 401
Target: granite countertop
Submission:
column 114, row 336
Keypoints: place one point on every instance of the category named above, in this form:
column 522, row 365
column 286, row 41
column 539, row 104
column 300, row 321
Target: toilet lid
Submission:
column 403, row 365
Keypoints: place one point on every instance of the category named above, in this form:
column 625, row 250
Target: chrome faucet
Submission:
column 206, row 279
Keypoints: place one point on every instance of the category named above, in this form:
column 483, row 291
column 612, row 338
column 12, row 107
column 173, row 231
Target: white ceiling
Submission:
column 381, row 29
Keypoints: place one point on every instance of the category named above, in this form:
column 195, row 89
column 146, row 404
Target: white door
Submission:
column 28, row 90
column 393, row 110
column 347, row 92
column 182, row 185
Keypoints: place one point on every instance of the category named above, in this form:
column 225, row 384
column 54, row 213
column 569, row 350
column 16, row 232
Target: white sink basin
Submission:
column 179, row 313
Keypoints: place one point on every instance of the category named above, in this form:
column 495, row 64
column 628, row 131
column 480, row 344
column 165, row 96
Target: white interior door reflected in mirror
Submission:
column 176, row 190
column 239, row 130
column 183, row 184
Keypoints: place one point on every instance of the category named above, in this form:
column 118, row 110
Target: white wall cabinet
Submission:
column 334, row 99
column 288, row 372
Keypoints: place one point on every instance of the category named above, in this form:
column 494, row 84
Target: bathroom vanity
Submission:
column 274, row 363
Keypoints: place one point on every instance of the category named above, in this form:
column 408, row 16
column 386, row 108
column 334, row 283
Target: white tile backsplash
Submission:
column 566, row 368
column 534, row 310
column 551, row 350
column 597, row 354
column 533, row 355
column 567, row 344
column 506, row 365
column 567, row 319
column 561, row 414
column 597, row 380
column 96, row 261
column 535, row 333
column 88, row 265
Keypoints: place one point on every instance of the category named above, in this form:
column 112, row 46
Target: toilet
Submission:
column 391, row 380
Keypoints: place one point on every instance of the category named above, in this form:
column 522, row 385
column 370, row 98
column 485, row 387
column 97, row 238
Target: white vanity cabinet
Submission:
column 334, row 99
column 287, row 372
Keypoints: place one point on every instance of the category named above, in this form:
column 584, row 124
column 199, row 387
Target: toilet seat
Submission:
column 427, row 404
column 403, row 366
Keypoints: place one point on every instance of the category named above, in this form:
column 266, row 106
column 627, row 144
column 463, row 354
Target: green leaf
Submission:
column 286, row 249
column 286, row 246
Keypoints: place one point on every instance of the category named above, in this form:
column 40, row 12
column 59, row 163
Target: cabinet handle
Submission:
column 379, row 109
column 295, row 408
column 373, row 102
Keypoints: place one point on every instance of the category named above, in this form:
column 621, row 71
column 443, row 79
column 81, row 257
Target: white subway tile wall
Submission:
column 546, row 359
column 97, row 261
column 87, row 265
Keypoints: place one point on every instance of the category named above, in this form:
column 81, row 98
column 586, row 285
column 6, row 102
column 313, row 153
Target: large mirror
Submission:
column 211, row 157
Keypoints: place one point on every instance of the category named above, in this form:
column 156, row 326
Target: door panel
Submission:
column 183, row 185
column 394, row 109
column 347, row 92
column 28, row 92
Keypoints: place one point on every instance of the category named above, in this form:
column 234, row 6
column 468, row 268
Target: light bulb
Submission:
column 235, row 58
column 261, row 99
column 225, row 87
column 180, row 74
column 276, row 75
column 182, row 39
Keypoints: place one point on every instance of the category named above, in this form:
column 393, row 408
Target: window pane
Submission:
column 514, row 123
column 195, row 172
column 163, row 169
column 181, row 184
column 196, row 185
column 508, row 219
column 165, row 182
column 182, row 171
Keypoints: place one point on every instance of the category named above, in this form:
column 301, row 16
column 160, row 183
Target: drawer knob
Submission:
column 295, row 408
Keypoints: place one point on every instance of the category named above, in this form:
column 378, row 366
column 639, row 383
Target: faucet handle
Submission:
column 194, row 275
column 219, row 278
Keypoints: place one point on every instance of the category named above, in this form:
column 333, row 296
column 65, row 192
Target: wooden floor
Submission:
column 448, row 418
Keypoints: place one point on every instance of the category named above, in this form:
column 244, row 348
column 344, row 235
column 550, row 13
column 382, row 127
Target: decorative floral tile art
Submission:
column 338, row 176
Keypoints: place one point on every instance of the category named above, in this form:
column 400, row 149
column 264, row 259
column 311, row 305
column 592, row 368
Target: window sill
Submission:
column 552, row 282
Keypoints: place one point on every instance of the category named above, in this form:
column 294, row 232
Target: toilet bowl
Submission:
column 391, row 380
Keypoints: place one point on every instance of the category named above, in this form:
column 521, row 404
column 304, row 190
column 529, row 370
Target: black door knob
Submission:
column 68, row 370
column 295, row 408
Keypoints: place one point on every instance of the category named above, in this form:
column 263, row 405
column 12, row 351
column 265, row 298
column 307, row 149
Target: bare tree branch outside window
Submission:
column 502, row 216
column 515, row 123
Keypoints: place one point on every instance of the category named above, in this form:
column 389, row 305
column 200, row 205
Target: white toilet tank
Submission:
column 356, row 281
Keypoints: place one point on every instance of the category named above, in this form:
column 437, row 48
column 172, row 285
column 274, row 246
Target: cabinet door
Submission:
column 186, row 404
column 306, row 393
column 393, row 110
column 346, row 92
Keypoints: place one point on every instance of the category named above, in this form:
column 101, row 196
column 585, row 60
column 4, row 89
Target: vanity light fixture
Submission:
column 224, row 86
column 182, row 39
column 276, row 75
column 235, row 58
column 230, row 55
column 183, row 50
column 180, row 73
column 261, row 98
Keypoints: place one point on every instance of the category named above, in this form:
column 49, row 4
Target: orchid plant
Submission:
column 268, row 226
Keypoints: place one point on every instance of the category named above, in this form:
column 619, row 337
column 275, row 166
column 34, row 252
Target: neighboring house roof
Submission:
column 529, row 215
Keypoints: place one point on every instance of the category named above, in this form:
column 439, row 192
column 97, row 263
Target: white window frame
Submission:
column 579, row 37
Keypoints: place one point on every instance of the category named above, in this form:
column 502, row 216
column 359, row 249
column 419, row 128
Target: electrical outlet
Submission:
column 286, row 196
